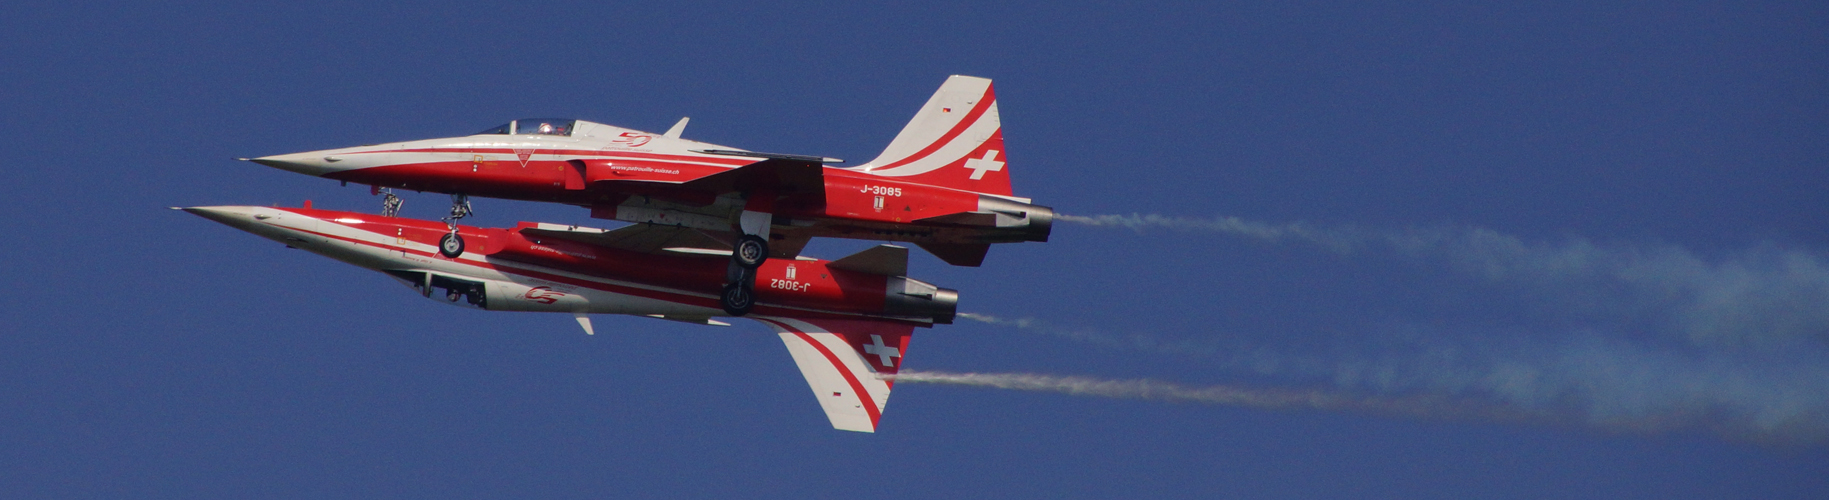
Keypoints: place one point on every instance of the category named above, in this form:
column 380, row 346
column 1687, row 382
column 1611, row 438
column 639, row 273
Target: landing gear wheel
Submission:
column 451, row 245
column 737, row 299
column 750, row 252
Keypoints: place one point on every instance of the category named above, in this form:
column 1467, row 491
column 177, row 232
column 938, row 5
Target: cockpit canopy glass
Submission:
column 534, row 126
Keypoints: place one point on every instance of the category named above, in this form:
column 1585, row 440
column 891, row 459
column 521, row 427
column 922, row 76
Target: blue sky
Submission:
column 1606, row 217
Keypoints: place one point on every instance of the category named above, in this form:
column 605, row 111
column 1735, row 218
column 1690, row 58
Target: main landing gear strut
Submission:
column 740, row 294
column 740, row 276
column 750, row 251
column 452, row 245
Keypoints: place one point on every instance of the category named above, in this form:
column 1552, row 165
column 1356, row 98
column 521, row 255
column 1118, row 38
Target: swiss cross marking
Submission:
column 881, row 351
column 988, row 163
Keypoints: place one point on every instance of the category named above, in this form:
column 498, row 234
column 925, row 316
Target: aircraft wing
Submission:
column 843, row 362
column 639, row 237
column 658, row 238
column 783, row 175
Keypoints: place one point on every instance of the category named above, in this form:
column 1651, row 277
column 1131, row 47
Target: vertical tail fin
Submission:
column 955, row 141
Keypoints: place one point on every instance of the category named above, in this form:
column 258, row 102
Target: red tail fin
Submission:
column 955, row 141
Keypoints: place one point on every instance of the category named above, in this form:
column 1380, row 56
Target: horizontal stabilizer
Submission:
column 958, row 254
column 887, row 260
column 846, row 363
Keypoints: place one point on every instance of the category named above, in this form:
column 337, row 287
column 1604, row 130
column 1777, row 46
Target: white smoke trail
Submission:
column 1739, row 343
column 1137, row 341
column 1590, row 379
column 1341, row 240
column 1763, row 297
column 1239, row 396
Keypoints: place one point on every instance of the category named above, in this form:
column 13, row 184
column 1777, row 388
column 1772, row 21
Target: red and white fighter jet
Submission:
column 846, row 322
column 941, row 184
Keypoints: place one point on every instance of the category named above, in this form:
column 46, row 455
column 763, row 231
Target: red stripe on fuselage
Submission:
column 733, row 161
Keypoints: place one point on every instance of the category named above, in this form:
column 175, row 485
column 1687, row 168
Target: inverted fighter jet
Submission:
column 846, row 323
column 941, row 184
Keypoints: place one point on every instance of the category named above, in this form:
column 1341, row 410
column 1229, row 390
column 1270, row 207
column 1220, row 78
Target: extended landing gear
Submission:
column 750, row 252
column 737, row 298
column 460, row 208
column 739, row 289
column 390, row 204
column 452, row 245
column 752, row 244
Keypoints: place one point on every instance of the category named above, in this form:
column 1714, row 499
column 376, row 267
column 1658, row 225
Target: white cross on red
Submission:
column 988, row 163
column 883, row 352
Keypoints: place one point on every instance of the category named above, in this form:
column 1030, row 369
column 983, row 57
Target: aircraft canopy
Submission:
column 534, row 126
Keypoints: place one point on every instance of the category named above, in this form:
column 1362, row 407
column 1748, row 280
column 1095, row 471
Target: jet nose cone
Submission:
column 271, row 223
column 314, row 163
column 231, row 216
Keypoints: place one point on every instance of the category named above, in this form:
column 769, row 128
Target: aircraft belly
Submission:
column 527, row 293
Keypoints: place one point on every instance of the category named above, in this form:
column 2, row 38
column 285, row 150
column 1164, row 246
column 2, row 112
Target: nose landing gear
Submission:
column 390, row 204
column 452, row 245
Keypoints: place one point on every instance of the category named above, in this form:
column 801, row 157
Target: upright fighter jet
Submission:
column 941, row 184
